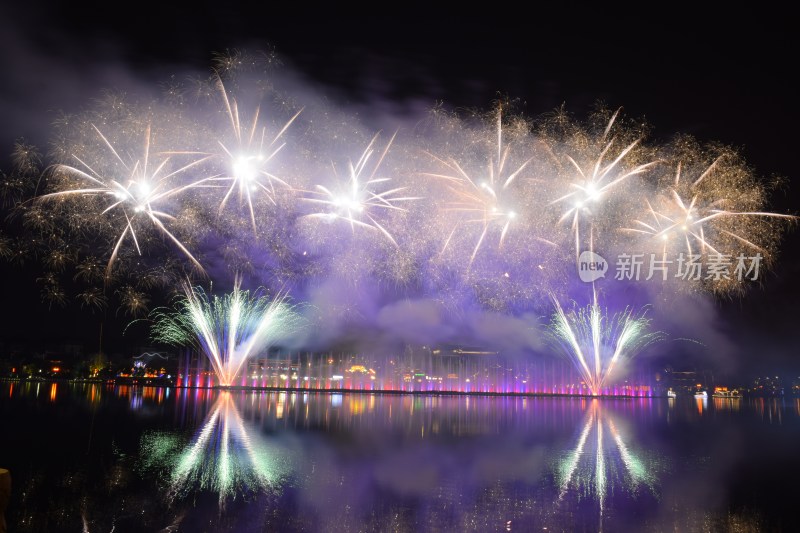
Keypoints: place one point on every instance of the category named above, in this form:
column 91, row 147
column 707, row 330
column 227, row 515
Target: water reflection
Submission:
column 387, row 454
column 601, row 461
column 769, row 409
column 727, row 404
column 149, row 459
column 226, row 456
column 701, row 403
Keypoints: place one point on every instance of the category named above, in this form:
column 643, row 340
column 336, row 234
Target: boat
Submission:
column 701, row 394
column 729, row 394
column 671, row 394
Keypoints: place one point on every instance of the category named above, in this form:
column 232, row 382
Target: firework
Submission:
column 486, row 200
column 470, row 210
column 596, row 342
column 358, row 199
column 131, row 191
column 708, row 209
column 228, row 329
column 247, row 157
column 595, row 177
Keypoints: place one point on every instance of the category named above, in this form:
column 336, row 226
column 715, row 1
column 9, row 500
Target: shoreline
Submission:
column 155, row 382
column 164, row 383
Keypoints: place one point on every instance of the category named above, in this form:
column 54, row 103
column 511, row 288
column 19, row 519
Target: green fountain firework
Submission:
column 227, row 329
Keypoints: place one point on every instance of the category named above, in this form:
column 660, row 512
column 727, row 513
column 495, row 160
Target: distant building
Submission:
column 766, row 386
column 686, row 380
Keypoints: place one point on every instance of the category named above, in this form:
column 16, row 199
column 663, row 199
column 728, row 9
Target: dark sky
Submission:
column 721, row 76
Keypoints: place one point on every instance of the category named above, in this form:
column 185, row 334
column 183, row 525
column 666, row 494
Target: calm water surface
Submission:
column 99, row 458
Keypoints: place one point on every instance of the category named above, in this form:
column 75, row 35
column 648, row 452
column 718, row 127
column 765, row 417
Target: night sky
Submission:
column 721, row 76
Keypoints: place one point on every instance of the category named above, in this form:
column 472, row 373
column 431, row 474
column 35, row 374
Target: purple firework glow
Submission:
column 452, row 216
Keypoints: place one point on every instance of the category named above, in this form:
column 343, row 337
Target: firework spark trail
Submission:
column 134, row 195
column 354, row 200
column 228, row 329
column 596, row 342
column 247, row 158
column 595, row 182
column 695, row 216
column 486, row 199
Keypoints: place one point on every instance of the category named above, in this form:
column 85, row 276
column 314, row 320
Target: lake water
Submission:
column 100, row 458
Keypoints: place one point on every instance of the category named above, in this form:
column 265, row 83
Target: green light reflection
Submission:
column 225, row 456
